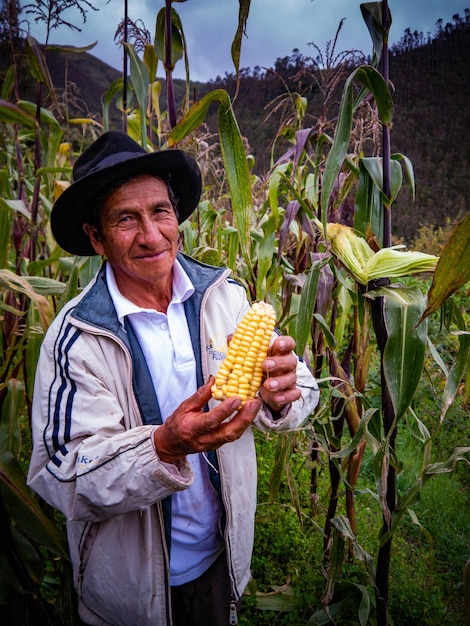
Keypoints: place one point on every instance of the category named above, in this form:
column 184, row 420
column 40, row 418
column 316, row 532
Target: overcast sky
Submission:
column 274, row 29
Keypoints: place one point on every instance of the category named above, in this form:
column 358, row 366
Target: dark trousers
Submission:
column 206, row 600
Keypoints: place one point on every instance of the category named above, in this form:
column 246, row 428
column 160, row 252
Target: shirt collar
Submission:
column 182, row 290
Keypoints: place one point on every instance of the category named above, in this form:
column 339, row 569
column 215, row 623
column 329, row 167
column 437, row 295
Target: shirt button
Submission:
column 164, row 326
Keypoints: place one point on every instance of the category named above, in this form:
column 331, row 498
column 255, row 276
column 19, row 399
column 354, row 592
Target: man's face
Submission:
column 140, row 237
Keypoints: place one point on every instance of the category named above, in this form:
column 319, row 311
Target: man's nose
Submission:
column 149, row 233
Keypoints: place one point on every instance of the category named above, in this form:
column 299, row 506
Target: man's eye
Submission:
column 163, row 210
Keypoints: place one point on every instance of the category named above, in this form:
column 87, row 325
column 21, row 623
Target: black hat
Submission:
column 114, row 156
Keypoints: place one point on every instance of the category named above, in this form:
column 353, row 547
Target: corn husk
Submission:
column 365, row 265
column 394, row 263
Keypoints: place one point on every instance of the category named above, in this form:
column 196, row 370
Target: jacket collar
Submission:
column 96, row 307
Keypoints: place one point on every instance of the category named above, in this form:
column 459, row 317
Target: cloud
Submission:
column 274, row 29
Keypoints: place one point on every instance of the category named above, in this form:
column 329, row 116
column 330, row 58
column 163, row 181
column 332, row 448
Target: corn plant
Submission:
column 276, row 234
column 277, row 237
column 35, row 281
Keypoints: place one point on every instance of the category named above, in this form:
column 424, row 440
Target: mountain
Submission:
column 430, row 86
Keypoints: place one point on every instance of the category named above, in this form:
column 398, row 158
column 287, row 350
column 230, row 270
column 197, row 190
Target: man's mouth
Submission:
column 150, row 256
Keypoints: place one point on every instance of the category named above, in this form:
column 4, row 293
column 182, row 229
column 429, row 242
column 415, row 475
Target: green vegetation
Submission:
column 362, row 513
column 429, row 552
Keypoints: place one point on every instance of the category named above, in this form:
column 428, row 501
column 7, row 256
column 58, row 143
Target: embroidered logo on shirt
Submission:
column 217, row 347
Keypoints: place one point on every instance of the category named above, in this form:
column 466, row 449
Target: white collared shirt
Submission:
column 166, row 344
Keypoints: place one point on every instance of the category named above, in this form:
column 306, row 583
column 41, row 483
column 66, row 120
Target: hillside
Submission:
column 431, row 126
column 431, row 91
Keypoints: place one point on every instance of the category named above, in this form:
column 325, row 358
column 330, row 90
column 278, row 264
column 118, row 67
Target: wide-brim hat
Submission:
column 113, row 157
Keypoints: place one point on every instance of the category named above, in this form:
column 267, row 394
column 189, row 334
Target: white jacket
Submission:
column 94, row 411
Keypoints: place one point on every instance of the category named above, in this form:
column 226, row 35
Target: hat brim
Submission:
column 69, row 211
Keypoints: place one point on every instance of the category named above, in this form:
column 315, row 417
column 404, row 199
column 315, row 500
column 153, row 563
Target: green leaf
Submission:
column 374, row 167
column 12, row 114
column 452, row 271
column 8, row 83
column 338, row 149
column 28, row 555
column 35, row 334
column 460, row 453
column 39, row 69
column 234, row 156
column 72, row 49
column 378, row 87
column 368, row 204
column 115, row 89
column 456, row 373
column 151, row 61
column 375, row 83
column 409, row 170
column 24, row 510
column 46, row 116
column 403, row 357
column 308, row 297
column 281, row 454
column 243, row 11
column 330, row 339
column 265, row 251
column 139, row 76
column 372, row 15
column 278, row 602
column 176, row 39
column 238, row 174
column 10, row 427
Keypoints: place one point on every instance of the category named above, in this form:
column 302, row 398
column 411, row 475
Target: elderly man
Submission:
column 156, row 479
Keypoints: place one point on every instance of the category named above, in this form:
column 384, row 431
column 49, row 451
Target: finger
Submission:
column 281, row 383
column 232, row 430
column 279, row 391
column 277, row 401
column 277, row 365
column 282, row 345
column 197, row 401
column 214, row 418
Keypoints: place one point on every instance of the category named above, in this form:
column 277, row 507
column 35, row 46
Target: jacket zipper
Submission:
column 233, row 616
column 233, row 612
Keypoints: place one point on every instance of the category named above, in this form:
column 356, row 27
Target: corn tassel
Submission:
column 240, row 373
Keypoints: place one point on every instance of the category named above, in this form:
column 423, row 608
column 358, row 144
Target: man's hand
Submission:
column 279, row 387
column 189, row 429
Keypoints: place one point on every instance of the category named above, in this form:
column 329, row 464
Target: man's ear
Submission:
column 94, row 237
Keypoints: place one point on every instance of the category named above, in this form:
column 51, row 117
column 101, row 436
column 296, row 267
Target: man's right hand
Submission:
column 190, row 429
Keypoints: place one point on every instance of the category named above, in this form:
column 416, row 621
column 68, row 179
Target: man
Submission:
column 156, row 479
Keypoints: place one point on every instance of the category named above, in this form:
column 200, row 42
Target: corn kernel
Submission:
column 240, row 373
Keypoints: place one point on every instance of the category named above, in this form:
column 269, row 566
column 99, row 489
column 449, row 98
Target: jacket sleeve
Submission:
column 90, row 459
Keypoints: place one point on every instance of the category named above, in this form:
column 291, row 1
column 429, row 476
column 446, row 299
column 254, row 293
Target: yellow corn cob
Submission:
column 240, row 373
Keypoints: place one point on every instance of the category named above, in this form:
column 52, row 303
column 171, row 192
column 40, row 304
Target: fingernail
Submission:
column 235, row 403
column 281, row 343
column 273, row 384
column 270, row 364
